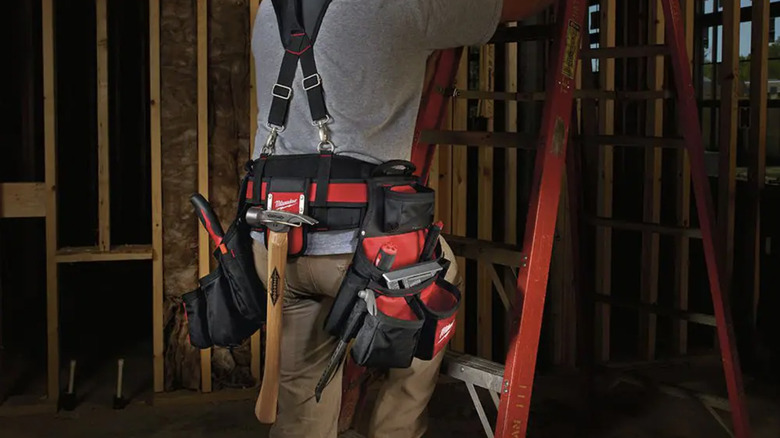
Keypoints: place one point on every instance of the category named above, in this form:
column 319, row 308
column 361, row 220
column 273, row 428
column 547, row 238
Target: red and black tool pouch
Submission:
column 408, row 320
column 229, row 303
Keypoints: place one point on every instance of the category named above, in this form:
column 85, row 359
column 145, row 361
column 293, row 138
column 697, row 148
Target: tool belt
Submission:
column 329, row 188
column 411, row 308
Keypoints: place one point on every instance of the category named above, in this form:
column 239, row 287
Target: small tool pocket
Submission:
column 440, row 302
column 220, row 322
column 194, row 303
column 389, row 334
column 407, row 207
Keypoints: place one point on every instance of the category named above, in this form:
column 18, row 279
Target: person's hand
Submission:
column 518, row 10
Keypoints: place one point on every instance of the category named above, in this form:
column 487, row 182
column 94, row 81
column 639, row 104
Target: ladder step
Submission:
column 697, row 318
column 625, row 52
column 645, row 226
column 535, row 32
column 634, row 141
column 480, row 138
column 94, row 254
column 474, row 370
column 540, row 96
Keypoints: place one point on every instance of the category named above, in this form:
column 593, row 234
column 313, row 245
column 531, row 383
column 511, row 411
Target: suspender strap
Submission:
column 298, row 40
column 312, row 83
column 282, row 90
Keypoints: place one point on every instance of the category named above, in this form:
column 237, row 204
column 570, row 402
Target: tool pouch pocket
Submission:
column 407, row 207
column 195, row 311
column 212, row 314
column 229, row 304
column 388, row 338
column 439, row 302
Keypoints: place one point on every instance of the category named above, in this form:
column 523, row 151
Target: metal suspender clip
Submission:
column 325, row 144
column 270, row 142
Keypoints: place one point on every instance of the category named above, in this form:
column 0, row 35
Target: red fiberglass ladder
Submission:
column 516, row 381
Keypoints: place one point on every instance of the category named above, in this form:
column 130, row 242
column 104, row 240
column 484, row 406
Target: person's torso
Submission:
column 372, row 74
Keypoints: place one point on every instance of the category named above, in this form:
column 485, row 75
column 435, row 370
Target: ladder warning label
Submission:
column 570, row 51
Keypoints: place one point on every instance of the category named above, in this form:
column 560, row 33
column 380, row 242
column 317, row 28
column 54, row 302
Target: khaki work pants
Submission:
column 312, row 284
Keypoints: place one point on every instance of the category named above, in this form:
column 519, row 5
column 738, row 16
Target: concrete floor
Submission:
column 616, row 411
column 626, row 411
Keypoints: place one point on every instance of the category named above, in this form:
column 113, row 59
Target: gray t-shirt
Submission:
column 371, row 56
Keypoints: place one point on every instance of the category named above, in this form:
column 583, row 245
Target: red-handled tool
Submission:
column 385, row 256
column 209, row 219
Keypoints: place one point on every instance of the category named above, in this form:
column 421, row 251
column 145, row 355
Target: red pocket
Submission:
column 440, row 302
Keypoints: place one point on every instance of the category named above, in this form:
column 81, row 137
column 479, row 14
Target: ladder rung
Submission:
column 480, row 138
column 698, row 318
column 634, row 141
column 645, row 226
column 625, row 52
column 475, row 370
column 533, row 32
column 486, row 251
column 539, row 96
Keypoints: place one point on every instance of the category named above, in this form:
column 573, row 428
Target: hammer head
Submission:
column 275, row 220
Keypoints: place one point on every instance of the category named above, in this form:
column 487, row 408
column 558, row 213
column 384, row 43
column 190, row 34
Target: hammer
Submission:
column 279, row 224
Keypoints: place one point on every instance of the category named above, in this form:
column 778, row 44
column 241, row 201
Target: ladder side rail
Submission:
column 689, row 122
column 514, row 407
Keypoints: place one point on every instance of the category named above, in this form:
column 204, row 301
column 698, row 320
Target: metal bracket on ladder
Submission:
column 477, row 372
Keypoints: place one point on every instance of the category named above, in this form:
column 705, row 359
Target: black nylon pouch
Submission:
column 385, row 341
column 408, row 207
column 239, row 268
column 194, row 303
column 227, row 327
column 229, row 304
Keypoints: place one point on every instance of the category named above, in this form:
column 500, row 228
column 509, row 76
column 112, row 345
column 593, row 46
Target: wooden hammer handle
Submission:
column 265, row 408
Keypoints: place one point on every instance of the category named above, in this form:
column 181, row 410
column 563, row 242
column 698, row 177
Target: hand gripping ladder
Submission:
column 515, row 380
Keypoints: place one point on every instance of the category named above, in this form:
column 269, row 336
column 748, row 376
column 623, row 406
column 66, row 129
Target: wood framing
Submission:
column 485, row 209
column 727, row 139
column 605, row 178
column 683, row 208
column 654, row 120
column 759, row 75
column 459, row 193
column 155, row 145
column 50, row 152
column 204, row 247
column 97, row 254
column 104, row 195
column 22, row 200
column 255, row 344
column 510, row 173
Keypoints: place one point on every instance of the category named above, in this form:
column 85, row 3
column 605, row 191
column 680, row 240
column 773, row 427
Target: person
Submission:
column 371, row 56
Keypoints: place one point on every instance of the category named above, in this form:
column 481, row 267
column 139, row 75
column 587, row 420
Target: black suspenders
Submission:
column 299, row 22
